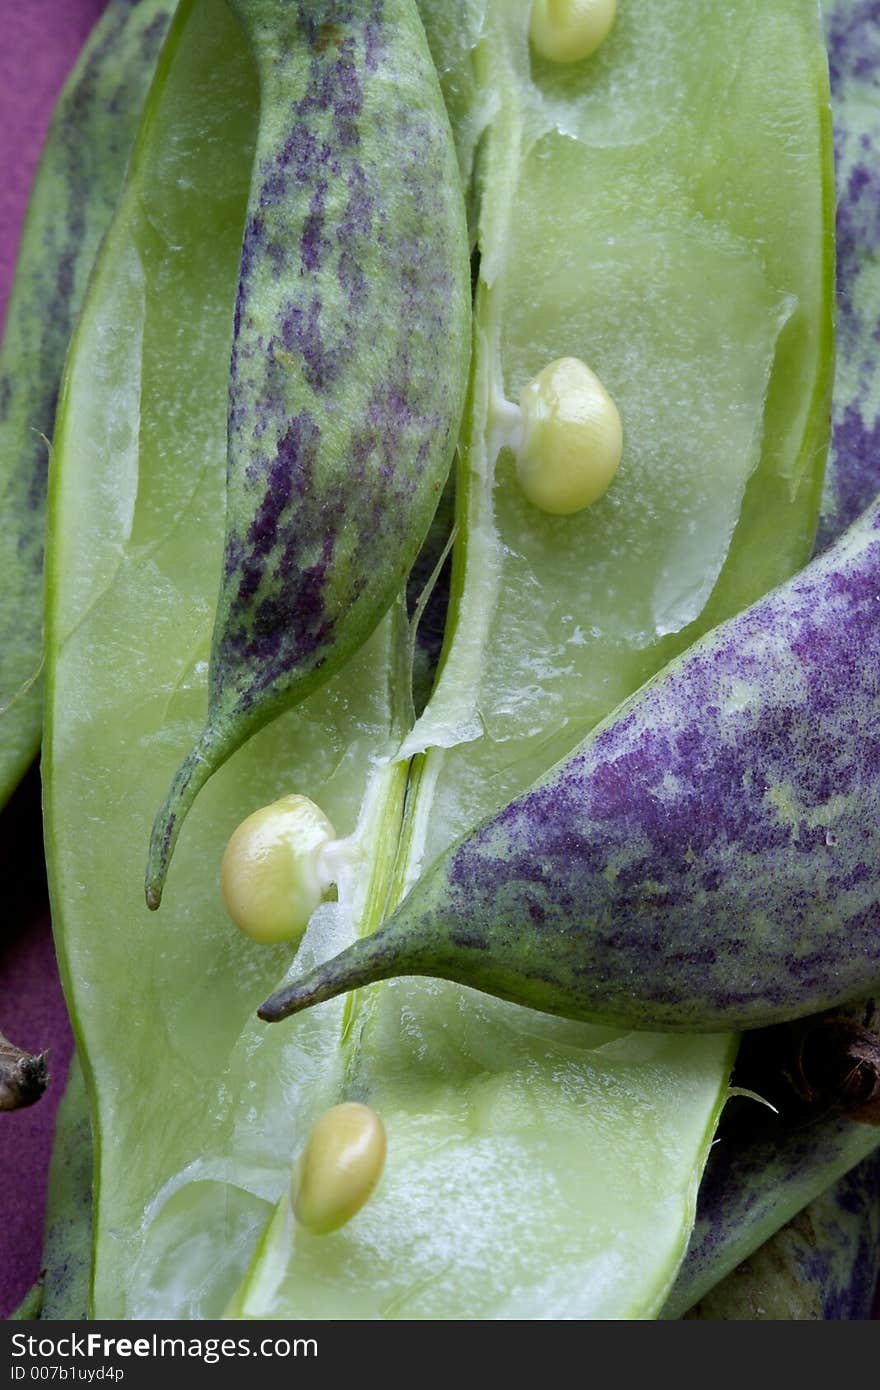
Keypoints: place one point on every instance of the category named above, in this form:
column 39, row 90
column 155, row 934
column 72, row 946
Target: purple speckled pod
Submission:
column 763, row 1170
column 349, row 364
column 853, row 35
column 75, row 191
column 709, row 858
column 821, row 1266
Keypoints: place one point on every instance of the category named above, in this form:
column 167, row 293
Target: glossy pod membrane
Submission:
column 349, row 362
column 709, row 859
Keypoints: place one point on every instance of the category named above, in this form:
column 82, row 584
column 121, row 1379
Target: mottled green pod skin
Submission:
column 349, row 361
column 62, row 1291
column 75, row 192
column 821, row 1266
column 762, row 1172
column 67, row 1243
column 708, row 859
column 851, row 29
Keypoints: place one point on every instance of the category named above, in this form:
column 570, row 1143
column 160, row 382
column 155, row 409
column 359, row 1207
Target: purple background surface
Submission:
column 39, row 42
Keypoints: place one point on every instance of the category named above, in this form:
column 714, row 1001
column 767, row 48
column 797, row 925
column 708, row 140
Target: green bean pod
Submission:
column 74, row 194
column 761, row 1176
column 349, row 362
column 821, row 1266
column 67, row 1238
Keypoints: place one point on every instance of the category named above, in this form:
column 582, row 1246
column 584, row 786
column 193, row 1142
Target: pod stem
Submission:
column 373, row 958
column 23, row 1077
column 188, row 781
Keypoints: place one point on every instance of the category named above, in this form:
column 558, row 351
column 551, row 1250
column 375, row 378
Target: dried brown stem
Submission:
column 23, row 1077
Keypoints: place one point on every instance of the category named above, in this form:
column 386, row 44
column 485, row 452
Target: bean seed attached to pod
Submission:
column 339, row 1167
column 277, row 868
column 568, row 438
column 566, row 31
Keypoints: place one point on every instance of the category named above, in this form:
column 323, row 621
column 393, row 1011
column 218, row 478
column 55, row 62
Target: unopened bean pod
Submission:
column 349, row 362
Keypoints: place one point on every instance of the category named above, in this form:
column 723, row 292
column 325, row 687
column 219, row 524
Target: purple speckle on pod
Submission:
column 853, row 479
column 712, row 858
column 349, row 354
column 302, row 331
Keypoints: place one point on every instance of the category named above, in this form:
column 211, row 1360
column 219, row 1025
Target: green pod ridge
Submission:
column 706, row 860
column 349, row 362
column 75, row 191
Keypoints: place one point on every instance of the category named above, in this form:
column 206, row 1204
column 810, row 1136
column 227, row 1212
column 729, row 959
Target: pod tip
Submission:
column 188, row 781
column 370, row 959
column 161, row 846
column 269, row 1012
column 293, row 998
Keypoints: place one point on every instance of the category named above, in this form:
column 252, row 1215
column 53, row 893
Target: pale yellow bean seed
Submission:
column 339, row 1167
column 571, row 438
column 565, row 31
column 271, row 874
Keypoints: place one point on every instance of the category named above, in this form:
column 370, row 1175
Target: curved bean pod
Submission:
column 821, row 1266
column 708, row 859
column 763, row 1173
column 760, row 1175
column 349, row 362
column 74, row 194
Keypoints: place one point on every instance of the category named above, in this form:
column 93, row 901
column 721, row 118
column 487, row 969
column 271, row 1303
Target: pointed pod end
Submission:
column 302, row 994
column 161, row 846
column 188, row 781
column 273, row 1010
column 372, row 958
